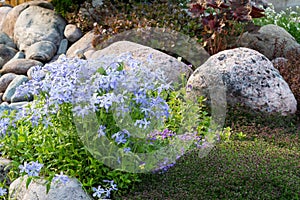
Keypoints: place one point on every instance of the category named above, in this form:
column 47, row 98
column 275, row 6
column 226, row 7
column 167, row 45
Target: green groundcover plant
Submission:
column 137, row 113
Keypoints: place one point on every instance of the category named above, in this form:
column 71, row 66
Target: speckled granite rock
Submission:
column 250, row 80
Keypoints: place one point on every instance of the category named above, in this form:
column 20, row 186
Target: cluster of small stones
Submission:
column 30, row 34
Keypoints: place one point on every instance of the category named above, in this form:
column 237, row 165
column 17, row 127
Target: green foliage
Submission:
column 288, row 19
column 53, row 138
column 232, row 170
column 65, row 6
column 60, row 149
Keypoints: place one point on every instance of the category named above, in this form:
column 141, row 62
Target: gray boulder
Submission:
column 6, row 53
column 172, row 68
column 250, row 80
column 9, row 21
column 37, row 24
column 270, row 40
column 42, row 51
column 5, row 81
column 72, row 33
column 83, row 44
column 37, row 190
column 19, row 66
column 5, row 39
column 11, row 89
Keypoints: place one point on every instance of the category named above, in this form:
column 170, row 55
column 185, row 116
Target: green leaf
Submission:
column 28, row 181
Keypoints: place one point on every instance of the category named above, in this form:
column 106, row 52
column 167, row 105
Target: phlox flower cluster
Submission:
column 101, row 192
column 31, row 169
column 92, row 85
column 4, row 123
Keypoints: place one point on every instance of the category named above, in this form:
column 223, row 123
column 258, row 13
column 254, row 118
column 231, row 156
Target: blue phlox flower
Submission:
column 132, row 63
column 61, row 178
column 38, row 73
column 3, row 191
column 80, row 111
column 113, row 186
column 34, row 119
column 106, row 100
column 166, row 86
column 31, row 169
column 4, row 123
column 127, row 149
column 140, row 97
column 124, row 56
column 120, row 137
column 142, row 123
column 101, row 131
column 98, row 192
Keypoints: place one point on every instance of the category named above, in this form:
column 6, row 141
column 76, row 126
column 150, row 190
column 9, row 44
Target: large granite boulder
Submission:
column 172, row 67
column 6, row 53
column 270, row 40
column 72, row 190
column 250, row 80
column 8, row 25
column 36, row 24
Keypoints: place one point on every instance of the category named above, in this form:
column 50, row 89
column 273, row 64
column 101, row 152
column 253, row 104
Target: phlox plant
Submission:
column 100, row 120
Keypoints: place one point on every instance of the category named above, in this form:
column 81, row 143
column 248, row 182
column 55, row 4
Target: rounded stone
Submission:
column 250, row 79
